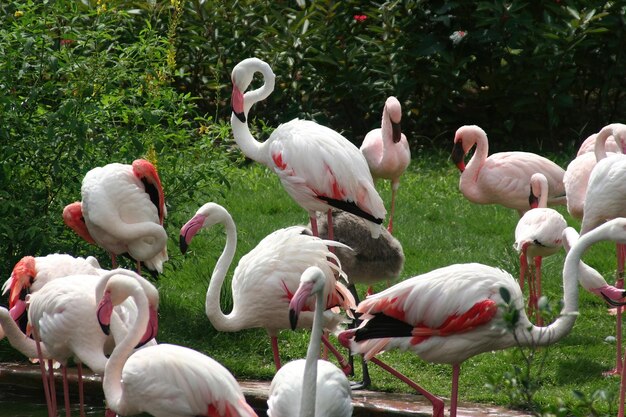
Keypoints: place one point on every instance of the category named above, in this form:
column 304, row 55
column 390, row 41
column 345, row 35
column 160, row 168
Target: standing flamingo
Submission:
column 578, row 170
column 310, row 387
column 162, row 380
column 62, row 316
column 605, row 200
column 318, row 167
column 267, row 277
column 387, row 151
column 539, row 233
column 123, row 210
column 453, row 313
column 589, row 145
column 502, row 178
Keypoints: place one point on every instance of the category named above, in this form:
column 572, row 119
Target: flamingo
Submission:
column 123, row 210
column 604, row 200
column 365, row 261
column 387, row 151
column 318, row 167
column 453, row 313
column 577, row 173
column 310, row 387
column 589, row 145
column 162, row 380
column 63, row 319
column 267, row 277
column 539, row 233
column 502, row 178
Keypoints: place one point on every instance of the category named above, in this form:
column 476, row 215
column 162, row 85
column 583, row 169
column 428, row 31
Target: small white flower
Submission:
column 457, row 36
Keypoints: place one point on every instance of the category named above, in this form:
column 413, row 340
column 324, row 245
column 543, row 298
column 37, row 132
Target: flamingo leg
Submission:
column 437, row 402
column 454, row 396
column 113, row 261
column 139, row 267
column 274, row 340
column 314, row 229
column 44, row 376
column 51, row 386
column 366, row 381
column 538, row 260
column 345, row 365
column 394, row 190
column 619, row 283
column 66, row 392
column 81, row 394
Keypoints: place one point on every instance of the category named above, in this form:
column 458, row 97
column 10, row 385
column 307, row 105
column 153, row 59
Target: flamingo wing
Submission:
column 318, row 167
column 195, row 384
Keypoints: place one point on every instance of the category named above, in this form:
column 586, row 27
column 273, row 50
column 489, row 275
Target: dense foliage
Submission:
column 85, row 83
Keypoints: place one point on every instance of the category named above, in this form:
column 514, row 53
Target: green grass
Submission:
column 437, row 227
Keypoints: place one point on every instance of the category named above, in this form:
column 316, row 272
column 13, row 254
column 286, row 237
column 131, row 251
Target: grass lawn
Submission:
column 437, row 227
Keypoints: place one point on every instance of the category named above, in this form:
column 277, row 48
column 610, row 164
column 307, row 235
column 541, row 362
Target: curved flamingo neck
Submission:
column 251, row 147
column 112, row 379
column 476, row 162
column 17, row 338
column 599, row 148
column 309, row 381
column 212, row 308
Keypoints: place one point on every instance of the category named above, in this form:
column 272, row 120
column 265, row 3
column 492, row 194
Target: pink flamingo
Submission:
column 453, row 313
column 319, row 168
column 589, row 145
column 122, row 210
column 503, row 177
column 63, row 318
column 603, row 201
column 387, row 151
column 267, row 277
column 162, row 380
column 578, row 170
column 539, row 233
column 310, row 387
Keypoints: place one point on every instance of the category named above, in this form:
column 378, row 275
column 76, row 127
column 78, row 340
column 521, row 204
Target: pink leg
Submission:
column 345, row 365
column 622, row 391
column 81, row 394
column 619, row 283
column 275, row 351
column 456, row 371
column 313, row 220
column 44, row 375
column 66, row 392
column 51, row 386
column 113, row 261
column 139, row 267
column 538, row 260
column 437, row 402
column 394, row 189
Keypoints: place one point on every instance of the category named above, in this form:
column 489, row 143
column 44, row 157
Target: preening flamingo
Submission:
column 365, row 261
column 578, row 170
column 123, row 210
column 503, row 177
column 453, row 313
column 63, row 317
column 605, row 200
column 387, row 151
column 319, row 168
column 589, row 145
column 539, row 233
column 162, row 380
column 266, row 278
column 310, row 387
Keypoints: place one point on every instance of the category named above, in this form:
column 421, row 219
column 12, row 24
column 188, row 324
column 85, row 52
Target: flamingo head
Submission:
column 619, row 134
column 464, row 139
column 74, row 219
column 206, row 216
column 23, row 275
column 394, row 112
column 241, row 78
column 147, row 173
column 312, row 281
column 538, row 186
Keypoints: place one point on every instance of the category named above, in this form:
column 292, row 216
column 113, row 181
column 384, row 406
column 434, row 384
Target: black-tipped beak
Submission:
column 182, row 244
column 106, row 329
column 293, row 319
column 241, row 116
column 457, row 155
column 613, row 302
column 396, row 132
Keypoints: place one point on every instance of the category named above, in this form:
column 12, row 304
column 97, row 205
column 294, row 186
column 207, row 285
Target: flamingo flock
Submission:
column 64, row 308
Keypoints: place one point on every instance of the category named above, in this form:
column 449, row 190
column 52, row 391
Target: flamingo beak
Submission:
column 533, row 200
column 189, row 230
column 104, row 311
column 458, row 154
column 396, row 132
column 18, row 292
column 237, row 103
column 151, row 330
column 298, row 302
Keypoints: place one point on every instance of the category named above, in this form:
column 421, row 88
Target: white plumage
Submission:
column 317, row 166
